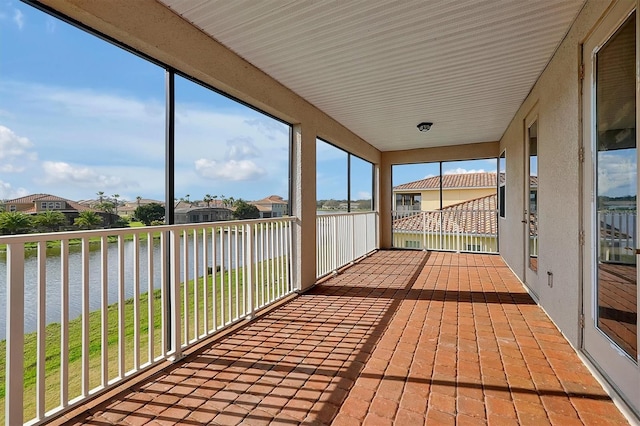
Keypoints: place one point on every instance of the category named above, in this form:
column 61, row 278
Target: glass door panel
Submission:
column 533, row 195
column 616, row 188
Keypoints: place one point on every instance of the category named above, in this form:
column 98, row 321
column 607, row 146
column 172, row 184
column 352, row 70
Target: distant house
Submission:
column 461, row 217
column 36, row 203
column 272, row 206
column 424, row 194
column 195, row 214
column 129, row 207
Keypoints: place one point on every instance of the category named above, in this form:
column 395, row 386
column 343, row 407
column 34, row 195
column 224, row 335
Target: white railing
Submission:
column 617, row 236
column 473, row 231
column 96, row 307
column 342, row 238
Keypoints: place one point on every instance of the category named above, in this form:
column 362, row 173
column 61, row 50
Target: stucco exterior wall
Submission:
column 556, row 96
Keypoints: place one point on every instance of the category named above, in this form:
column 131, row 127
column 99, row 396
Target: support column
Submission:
column 384, row 202
column 303, row 205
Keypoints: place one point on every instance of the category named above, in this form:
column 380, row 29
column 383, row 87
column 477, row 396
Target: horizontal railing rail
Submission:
column 342, row 238
column 472, row 231
column 87, row 309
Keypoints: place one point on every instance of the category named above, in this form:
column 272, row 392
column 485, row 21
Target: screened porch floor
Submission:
column 402, row 337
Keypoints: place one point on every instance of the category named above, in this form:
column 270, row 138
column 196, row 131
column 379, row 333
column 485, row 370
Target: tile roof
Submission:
column 271, row 199
column 477, row 216
column 460, row 180
column 33, row 198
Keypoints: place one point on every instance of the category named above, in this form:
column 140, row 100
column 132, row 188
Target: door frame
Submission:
column 530, row 276
column 620, row 370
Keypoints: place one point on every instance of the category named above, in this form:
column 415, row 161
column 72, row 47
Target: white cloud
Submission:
column 231, row 170
column 242, row 149
column 7, row 192
column 460, row 170
column 237, row 166
column 18, row 18
column 59, row 172
column 616, row 173
column 364, row 195
column 14, row 149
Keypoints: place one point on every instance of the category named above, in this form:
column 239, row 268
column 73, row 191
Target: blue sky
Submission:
column 78, row 116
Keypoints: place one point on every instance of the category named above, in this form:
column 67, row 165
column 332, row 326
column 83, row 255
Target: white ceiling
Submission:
column 380, row 67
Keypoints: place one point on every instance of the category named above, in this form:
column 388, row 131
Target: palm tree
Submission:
column 115, row 201
column 207, row 199
column 15, row 222
column 100, row 195
column 88, row 220
column 138, row 199
column 186, row 198
column 50, row 220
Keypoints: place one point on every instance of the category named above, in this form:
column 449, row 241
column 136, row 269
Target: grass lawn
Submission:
column 230, row 303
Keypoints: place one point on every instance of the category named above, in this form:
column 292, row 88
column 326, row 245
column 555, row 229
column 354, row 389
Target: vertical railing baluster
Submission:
column 255, row 285
column 175, row 316
column 281, row 256
column 196, row 293
column 243, row 254
column 104, row 310
column 121, row 309
column 229, row 277
column 263, row 260
column 14, row 380
column 85, row 317
column 223, row 271
column 248, row 272
column 273, row 262
column 185, row 285
column 136, row 301
column 236, row 253
column 165, row 320
column 353, row 237
column 289, row 255
column 335, row 244
column 42, row 329
column 151, row 299
column 205, row 282
column 268, row 261
column 277, row 260
column 214, row 280
column 320, row 246
column 64, row 323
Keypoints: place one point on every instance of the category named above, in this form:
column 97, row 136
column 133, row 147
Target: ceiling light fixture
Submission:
column 425, row 126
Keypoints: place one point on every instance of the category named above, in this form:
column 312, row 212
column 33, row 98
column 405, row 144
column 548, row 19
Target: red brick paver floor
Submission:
column 390, row 340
